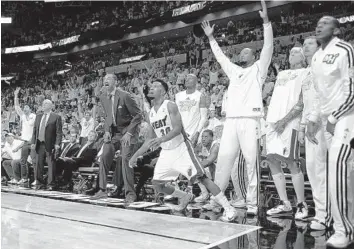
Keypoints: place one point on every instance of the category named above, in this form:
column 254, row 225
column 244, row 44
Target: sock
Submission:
column 178, row 193
column 221, row 199
column 279, row 181
column 299, row 185
column 204, row 191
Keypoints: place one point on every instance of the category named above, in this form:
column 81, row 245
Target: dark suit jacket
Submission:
column 128, row 115
column 53, row 131
column 72, row 151
column 88, row 156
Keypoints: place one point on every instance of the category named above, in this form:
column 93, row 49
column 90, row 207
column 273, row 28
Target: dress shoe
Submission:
column 51, row 188
column 39, row 186
column 117, row 193
column 99, row 195
column 129, row 200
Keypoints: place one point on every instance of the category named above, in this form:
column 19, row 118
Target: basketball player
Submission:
column 192, row 106
column 283, row 120
column 177, row 155
column 332, row 67
column 315, row 153
column 208, row 154
column 244, row 110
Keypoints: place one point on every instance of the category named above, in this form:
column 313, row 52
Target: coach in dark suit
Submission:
column 46, row 140
column 123, row 117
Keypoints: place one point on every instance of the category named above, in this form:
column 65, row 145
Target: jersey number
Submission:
column 164, row 132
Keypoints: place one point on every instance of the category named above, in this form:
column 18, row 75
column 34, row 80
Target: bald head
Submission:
column 247, row 57
column 327, row 27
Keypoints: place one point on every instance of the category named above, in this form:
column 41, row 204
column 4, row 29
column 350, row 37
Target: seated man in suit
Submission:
column 70, row 149
column 84, row 158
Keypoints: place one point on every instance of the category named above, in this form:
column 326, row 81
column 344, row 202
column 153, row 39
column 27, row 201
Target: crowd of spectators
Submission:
column 40, row 24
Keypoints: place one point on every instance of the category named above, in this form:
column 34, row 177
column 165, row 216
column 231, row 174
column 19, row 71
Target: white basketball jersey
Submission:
column 162, row 125
column 188, row 106
column 206, row 152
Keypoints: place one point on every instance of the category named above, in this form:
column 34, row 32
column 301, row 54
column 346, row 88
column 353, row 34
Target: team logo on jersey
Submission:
column 330, row 58
column 159, row 123
column 186, row 106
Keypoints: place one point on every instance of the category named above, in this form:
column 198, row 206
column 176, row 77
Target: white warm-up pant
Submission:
column 316, row 166
column 239, row 134
column 340, row 158
column 239, row 177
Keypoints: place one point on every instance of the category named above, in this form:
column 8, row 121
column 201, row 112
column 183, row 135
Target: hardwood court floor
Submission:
column 35, row 222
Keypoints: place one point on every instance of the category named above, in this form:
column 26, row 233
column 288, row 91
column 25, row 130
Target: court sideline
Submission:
column 64, row 224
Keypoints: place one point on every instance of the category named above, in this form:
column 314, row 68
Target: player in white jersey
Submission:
column 208, row 155
column 192, row 106
column 177, row 155
column 244, row 110
column 316, row 155
column 332, row 67
column 283, row 120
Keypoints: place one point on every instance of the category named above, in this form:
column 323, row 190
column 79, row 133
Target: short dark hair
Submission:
column 313, row 37
column 210, row 132
column 163, row 83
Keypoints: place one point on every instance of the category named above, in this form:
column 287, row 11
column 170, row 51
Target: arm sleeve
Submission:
column 224, row 62
column 135, row 112
column 267, row 51
column 346, row 64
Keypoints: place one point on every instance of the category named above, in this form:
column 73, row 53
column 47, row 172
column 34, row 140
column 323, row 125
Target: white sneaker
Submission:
column 168, row 197
column 212, row 206
column 229, row 215
column 282, row 208
column 34, row 183
column 183, row 202
column 202, row 198
column 252, row 210
column 238, row 203
column 338, row 240
column 302, row 211
column 13, row 181
column 317, row 225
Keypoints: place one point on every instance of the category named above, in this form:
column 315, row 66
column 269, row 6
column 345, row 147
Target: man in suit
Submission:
column 46, row 140
column 83, row 157
column 123, row 118
column 69, row 150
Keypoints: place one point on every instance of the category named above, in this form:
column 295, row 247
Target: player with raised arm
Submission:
column 331, row 67
column 244, row 110
column 177, row 155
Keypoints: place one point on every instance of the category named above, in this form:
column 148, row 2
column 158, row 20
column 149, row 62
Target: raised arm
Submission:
column 17, row 103
column 223, row 60
column 268, row 46
column 79, row 108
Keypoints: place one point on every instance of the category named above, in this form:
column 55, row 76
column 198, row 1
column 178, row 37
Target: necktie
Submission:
column 66, row 150
column 41, row 133
column 113, row 116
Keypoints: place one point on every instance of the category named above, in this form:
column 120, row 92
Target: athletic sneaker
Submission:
column 238, row 203
column 317, row 225
column 229, row 215
column 283, row 208
column 13, row 181
column 252, row 210
column 183, row 202
column 202, row 198
column 34, row 183
column 212, row 206
column 302, row 211
column 338, row 240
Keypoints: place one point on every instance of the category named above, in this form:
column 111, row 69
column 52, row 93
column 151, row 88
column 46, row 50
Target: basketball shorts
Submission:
column 285, row 145
column 180, row 160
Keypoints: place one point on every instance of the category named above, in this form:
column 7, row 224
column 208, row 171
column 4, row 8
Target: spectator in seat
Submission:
column 11, row 155
column 87, row 122
column 70, row 149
